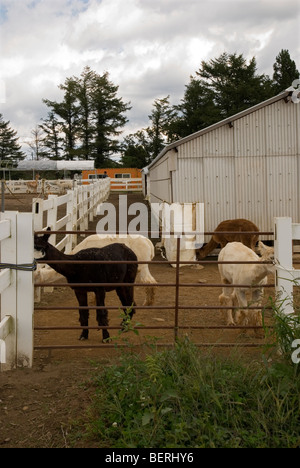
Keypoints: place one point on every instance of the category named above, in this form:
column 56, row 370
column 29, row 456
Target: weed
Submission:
column 180, row 398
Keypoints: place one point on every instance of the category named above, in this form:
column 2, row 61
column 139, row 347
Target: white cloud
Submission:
column 149, row 47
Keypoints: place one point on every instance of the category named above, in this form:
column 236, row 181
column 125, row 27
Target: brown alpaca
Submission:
column 234, row 225
column 33, row 185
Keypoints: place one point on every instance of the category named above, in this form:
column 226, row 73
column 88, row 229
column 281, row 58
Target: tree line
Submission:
column 87, row 123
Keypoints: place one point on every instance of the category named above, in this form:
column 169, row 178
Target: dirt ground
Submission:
column 38, row 407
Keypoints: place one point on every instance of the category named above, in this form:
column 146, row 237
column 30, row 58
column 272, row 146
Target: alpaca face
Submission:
column 40, row 246
column 267, row 255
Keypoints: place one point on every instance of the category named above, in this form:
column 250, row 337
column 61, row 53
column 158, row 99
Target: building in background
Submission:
column 126, row 176
column 246, row 166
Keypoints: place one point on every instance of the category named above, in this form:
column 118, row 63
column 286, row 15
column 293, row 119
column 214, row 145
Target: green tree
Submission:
column 68, row 114
column 140, row 148
column 136, row 150
column 285, row 71
column 86, row 126
column 108, row 113
column 10, row 150
column 161, row 117
column 196, row 111
column 235, row 83
column 53, row 142
column 91, row 117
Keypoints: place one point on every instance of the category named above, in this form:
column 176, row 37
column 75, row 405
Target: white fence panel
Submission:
column 16, row 314
column 286, row 276
column 40, row 186
column 124, row 185
column 81, row 207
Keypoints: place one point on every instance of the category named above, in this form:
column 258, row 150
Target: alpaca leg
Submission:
column 242, row 302
column 257, row 321
column 102, row 314
column 226, row 299
column 150, row 296
column 239, row 315
column 144, row 276
column 83, row 314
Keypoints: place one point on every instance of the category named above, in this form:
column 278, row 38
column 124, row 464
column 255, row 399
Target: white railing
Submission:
column 59, row 187
column 286, row 276
column 16, row 290
column 80, row 207
column 41, row 186
column 124, row 185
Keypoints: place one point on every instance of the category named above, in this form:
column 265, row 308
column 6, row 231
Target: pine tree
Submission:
column 197, row 109
column 285, row 71
column 235, row 84
column 137, row 150
column 109, row 118
column 67, row 112
column 161, row 118
column 86, row 126
column 10, row 150
column 53, row 142
column 91, row 117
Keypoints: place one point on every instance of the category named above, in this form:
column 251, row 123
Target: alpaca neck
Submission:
column 260, row 271
column 52, row 253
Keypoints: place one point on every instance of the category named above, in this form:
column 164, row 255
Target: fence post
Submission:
column 38, row 212
column 283, row 246
column 8, row 296
column 25, row 291
column 176, row 320
column 70, row 223
column 52, row 218
column 91, row 196
column 85, row 207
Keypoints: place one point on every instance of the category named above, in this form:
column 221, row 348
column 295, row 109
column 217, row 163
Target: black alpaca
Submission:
column 94, row 273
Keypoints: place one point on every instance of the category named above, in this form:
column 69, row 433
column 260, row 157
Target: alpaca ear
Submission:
column 261, row 247
column 46, row 236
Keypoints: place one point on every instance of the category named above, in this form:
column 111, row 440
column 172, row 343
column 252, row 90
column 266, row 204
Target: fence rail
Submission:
column 80, row 208
column 177, row 285
column 125, row 185
column 120, row 184
column 16, row 288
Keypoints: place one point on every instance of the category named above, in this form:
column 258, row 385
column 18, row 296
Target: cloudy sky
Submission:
column 149, row 47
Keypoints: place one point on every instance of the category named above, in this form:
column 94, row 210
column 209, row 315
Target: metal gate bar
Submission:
column 177, row 307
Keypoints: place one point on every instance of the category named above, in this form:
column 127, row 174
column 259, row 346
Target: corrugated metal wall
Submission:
column 250, row 169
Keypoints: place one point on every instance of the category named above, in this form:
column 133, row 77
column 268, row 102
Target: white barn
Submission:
column 246, row 166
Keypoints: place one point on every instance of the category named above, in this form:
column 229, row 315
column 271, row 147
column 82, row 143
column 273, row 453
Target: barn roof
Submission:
column 226, row 121
column 48, row 165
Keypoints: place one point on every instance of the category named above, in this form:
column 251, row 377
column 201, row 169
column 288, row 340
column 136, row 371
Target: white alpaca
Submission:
column 141, row 246
column 253, row 274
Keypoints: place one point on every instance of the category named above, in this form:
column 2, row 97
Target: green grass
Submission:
column 184, row 398
column 181, row 398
